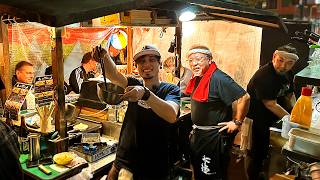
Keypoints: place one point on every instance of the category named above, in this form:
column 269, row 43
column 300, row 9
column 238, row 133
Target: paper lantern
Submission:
column 119, row 40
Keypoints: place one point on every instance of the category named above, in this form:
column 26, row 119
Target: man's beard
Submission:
column 147, row 77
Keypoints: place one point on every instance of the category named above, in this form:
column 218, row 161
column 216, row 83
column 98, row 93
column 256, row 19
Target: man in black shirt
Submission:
column 271, row 92
column 82, row 73
column 145, row 142
column 10, row 167
column 2, row 93
column 212, row 94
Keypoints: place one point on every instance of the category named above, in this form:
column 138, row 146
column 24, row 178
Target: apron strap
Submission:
column 205, row 127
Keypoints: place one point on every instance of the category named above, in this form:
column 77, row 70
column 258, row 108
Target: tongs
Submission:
column 99, row 50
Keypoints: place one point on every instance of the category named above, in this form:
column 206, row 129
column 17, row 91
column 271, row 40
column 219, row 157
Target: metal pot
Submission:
column 111, row 94
column 34, row 146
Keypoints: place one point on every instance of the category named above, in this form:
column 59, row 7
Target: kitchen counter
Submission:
column 298, row 155
column 103, row 165
column 36, row 173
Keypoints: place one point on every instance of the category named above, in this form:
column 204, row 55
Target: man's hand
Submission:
column 230, row 126
column 133, row 93
column 98, row 52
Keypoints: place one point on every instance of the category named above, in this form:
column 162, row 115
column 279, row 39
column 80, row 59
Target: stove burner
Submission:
column 92, row 153
column 89, row 149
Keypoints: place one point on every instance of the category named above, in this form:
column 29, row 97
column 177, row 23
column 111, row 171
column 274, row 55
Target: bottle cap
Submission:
column 306, row 91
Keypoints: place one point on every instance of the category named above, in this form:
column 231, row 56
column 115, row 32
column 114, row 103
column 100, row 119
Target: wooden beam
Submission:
column 58, row 80
column 129, row 50
column 4, row 57
column 27, row 15
column 178, row 38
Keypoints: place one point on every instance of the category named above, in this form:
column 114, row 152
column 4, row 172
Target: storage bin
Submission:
column 304, row 141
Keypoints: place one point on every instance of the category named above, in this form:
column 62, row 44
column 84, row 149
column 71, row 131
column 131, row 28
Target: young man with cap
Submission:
column 212, row 94
column 271, row 91
column 145, row 142
column 83, row 73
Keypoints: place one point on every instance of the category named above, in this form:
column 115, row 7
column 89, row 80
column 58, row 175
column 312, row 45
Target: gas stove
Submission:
column 94, row 152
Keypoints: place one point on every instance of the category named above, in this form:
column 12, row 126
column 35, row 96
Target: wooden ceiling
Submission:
column 57, row 13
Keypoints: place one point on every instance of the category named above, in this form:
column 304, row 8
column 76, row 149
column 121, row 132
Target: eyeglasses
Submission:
column 197, row 60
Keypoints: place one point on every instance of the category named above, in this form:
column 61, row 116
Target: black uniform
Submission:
column 10, row 167
column 145, row 145
column 265, row 84
column 76, row 78
column 1, row 85
column 209, row 148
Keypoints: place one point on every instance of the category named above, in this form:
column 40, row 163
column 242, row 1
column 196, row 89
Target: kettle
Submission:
column 34, row 146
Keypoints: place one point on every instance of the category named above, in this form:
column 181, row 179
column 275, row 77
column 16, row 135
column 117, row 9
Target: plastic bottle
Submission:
column 23, row 136
column 302, row 110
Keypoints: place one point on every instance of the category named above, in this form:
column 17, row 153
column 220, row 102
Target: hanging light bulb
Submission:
column 187, row 16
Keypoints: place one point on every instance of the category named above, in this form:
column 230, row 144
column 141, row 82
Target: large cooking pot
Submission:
column 111, row 94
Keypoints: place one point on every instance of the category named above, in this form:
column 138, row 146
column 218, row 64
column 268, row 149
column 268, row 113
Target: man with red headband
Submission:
column 271, row 92
column 212, row 94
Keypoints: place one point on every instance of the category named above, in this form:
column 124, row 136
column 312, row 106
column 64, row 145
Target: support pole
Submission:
column 4, row 57
column 178, row 38
column 58, row 80
column 129, row 50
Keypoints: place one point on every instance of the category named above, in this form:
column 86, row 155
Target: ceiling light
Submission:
column 187, row 16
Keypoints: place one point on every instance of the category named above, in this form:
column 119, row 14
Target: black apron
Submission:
column 210, row 153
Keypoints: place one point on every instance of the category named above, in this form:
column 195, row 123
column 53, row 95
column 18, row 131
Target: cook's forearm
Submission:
column 112, row 73
column 242, row 107
column 276, row 109
column 167, row 110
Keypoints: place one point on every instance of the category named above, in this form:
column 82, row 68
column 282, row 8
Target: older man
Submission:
column 146, row 135
column 271, row 91
column 212, row 94
column 24, row 73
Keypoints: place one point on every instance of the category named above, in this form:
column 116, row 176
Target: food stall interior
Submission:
column 59, row 13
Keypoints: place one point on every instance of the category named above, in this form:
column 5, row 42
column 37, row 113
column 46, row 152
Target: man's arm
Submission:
column 111, row 71
column 242, row 107
column 241, row 110
column 168, row 110
column 290, row 101
column 275, row 108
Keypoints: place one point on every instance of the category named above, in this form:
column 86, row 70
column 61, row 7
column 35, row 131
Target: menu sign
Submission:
column 43, row 88
column 16, row 100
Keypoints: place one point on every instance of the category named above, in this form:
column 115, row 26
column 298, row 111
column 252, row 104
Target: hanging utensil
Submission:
column 99, row 50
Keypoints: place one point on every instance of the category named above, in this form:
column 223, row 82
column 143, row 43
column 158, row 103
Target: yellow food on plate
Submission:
column 63, row 158
column 80, row 127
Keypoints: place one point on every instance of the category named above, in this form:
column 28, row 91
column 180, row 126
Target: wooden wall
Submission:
column 236, row 47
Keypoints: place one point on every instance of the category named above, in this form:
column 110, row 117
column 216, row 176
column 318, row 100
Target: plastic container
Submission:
column 287, row 126
column 304, row 141
column 302, row 110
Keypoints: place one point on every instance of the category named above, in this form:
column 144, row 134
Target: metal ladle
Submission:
column 99, row 49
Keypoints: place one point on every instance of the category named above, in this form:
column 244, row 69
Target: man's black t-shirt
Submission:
column 10, row 167
column 1, row 85
column 77, row 77
column 266, row 84
column 145, row 138
column 223, row 90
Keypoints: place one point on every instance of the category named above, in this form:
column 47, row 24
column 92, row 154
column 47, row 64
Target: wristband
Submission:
column 237, row 122
column 146, row 94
